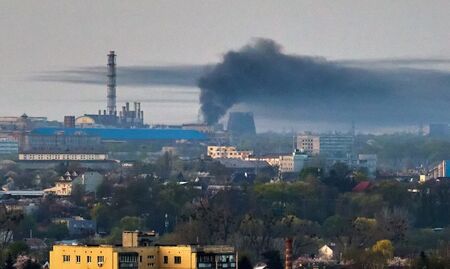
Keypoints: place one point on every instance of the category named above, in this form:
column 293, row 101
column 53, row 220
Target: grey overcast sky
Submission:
column 39, row 36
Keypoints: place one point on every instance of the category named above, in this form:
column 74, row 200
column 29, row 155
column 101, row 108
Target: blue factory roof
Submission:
column 126, row 134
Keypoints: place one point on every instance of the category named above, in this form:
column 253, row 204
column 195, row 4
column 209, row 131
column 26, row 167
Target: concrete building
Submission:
column 293, row 163
column 440, row 170
column 134, row 255
column 60, row 146
column 310, row 144
column 369, row 162
column 69, row 121
column 9, row 145
column 218, row 152
column 333, row 147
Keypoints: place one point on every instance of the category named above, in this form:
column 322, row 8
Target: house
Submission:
column 325, row 253
column 362, row 186
column 63, row 186
column 88, row 180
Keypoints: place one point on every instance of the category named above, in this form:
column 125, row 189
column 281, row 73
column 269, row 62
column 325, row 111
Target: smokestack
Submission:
column 288, row 253
column 111, row 93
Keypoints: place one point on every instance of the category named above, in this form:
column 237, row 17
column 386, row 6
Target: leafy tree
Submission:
column 16, row 248
column 244, row 262
column 57, row 231
column 9, row 262
column 273, row 259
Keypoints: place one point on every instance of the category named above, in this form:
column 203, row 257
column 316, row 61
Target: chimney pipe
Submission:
column 111, row 85
column 288, row 253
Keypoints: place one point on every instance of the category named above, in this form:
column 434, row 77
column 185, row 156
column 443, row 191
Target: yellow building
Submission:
column 228, row 152
column 134, row 253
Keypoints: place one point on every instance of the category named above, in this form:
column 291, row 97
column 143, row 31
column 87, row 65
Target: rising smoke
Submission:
column 293, row 87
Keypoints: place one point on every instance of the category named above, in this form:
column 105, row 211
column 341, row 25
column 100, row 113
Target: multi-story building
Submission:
column 63, row 156
column 61, row 147
column 227, row 152
column 141, row 254
column 9, row 145
column 333, row 147
column 293, row 163
column 310, row 144
column 440, row 170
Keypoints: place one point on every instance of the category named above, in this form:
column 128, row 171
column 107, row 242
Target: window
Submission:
column 78, row 258
column 177, row 259
column 166, row 260
column 100, row 259
column 140, row 258
column 66, row 258
column 150, row 257
column 89, row 259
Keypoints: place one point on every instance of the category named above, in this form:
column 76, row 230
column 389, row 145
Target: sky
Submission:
column 43, row 36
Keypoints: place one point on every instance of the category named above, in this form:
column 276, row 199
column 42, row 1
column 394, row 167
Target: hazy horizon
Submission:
column 51, row 36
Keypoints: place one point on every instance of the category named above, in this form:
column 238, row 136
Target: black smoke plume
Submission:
column 285, row 86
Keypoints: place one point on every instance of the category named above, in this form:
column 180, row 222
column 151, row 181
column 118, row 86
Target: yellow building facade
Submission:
column 142, row 257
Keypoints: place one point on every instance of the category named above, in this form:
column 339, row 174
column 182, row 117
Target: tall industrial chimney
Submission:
column 111, row 94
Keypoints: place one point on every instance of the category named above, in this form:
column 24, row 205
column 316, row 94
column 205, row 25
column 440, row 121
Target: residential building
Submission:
column 134, row 255
column 228, row 152
column 63, row 186
column 89, row 181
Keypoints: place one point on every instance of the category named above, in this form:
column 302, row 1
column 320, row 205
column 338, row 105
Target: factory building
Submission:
column 110, row 117
column 61, row 146
column 138, row 252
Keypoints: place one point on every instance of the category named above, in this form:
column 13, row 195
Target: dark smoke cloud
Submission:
column 286, row 86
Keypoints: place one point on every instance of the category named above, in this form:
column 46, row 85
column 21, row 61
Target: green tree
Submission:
column 16, row 248
column 273, row 259
column 9, row 262
column 244, row 262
